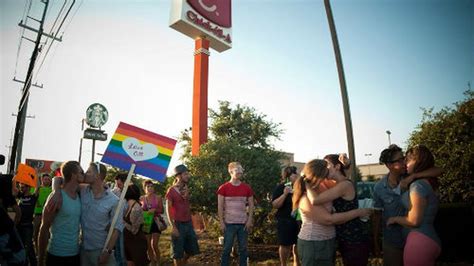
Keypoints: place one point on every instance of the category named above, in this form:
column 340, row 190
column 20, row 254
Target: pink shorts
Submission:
column 420, row 250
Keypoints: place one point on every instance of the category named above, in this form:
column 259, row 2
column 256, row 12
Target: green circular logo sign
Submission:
column 96, row 115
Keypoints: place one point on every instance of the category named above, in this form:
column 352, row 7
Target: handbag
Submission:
column 160, row 222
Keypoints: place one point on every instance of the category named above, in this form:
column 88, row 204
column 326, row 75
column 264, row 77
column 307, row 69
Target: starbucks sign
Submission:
column 96, row 115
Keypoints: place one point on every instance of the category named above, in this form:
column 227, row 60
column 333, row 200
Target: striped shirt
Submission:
column 235, row 202
column 311, row 231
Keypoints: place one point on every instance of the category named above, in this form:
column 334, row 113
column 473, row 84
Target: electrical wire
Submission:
column 24, row 17
column 48, row 39
column 56, row 34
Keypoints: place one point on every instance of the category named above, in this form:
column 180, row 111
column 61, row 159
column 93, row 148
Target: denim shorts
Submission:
column 317, row 252
column 186, row 242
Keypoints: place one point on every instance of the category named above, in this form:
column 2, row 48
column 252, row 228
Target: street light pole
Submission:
column 368, row 164
column 342, row 83
column 388, row 133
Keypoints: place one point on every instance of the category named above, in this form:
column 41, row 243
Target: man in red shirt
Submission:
column 183, row 237
column 232, row 200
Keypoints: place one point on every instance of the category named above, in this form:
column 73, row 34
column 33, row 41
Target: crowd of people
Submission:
column 66, row 220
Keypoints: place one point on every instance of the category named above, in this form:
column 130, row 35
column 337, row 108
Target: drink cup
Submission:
column 221, row 240
column 366, row 203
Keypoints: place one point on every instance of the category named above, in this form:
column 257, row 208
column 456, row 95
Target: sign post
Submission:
column 209, row 23
column 119, row 205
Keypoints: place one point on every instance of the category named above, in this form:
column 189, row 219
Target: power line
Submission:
column 57, row 31
column 24, row 17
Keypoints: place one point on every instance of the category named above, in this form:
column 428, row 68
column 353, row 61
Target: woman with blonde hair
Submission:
column 317, row 237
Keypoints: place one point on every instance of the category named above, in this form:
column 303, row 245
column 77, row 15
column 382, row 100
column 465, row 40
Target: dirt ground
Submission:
column 258, row 254
column 211, row 252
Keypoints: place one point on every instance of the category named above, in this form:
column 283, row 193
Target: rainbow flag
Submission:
column 150, row 152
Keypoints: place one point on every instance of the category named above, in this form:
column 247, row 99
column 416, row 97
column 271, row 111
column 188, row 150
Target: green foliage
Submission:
column 237, row 134
column 243, row 124
column 370, row 178
column 449, row 134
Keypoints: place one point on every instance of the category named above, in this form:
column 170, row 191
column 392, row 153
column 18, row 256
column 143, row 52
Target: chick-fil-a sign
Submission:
column 216, row 11
column 209, row 18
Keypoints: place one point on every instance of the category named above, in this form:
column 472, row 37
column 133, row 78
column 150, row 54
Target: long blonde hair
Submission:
column 315, row 172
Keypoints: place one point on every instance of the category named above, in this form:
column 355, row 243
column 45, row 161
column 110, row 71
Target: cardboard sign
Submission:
column 26, row 175
column 44, row 166
column 150, row 152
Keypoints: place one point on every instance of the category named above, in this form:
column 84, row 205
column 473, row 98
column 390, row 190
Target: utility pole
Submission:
column 15, row 157
column 342, row 82
column 80, row 143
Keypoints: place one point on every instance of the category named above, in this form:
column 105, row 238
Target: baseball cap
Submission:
column 180, row 169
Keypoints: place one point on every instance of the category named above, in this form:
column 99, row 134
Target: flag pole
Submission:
column 119, row 205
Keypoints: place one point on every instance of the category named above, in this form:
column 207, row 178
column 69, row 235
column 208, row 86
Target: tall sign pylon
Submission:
column 209, row 24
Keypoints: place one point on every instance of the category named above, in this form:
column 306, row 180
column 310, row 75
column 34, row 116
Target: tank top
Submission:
column 311, row 231
column 64, row 239
column 353, row 231
column 152, row 204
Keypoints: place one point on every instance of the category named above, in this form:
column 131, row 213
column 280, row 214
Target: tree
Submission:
column 236, row 134
column 449, row 134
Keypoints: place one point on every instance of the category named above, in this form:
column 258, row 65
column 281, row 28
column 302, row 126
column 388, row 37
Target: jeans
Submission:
column 120, row 251
column 231, row 230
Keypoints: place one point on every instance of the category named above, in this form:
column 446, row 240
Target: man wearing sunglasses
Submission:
column 98, row 207
column 236, row 220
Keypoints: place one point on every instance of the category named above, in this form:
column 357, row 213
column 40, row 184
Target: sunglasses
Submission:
column 97, row 165
column 399, row 160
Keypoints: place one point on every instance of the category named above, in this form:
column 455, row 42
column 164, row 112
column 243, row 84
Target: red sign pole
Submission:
column 201, row 74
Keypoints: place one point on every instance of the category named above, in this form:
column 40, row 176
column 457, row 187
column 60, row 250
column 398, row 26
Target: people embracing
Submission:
column 317, row 237
column 184, row 242
column 152, row 203
column 235, row 210
column 352, row 236
column 287, row 227
column 387, row 202
column 423, row 245
column 98, row 206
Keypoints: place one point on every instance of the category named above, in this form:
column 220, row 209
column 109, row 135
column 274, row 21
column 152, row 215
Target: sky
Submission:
column 399, row 56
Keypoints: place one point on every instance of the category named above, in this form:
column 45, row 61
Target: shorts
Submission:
column 153, row 229
column 287, row 231
column 317, row 252
column 186, row 242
